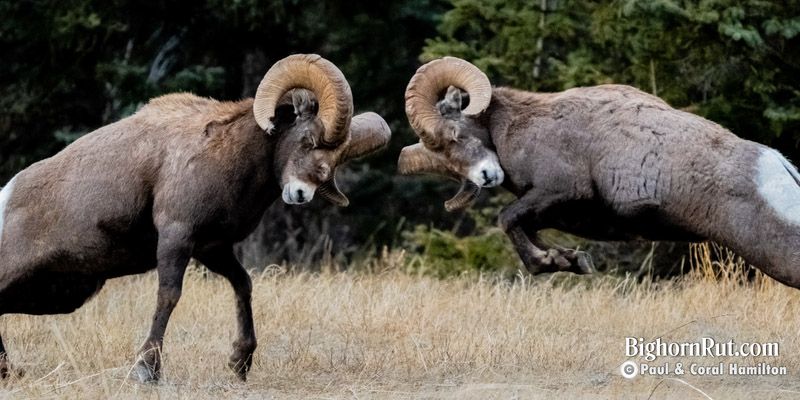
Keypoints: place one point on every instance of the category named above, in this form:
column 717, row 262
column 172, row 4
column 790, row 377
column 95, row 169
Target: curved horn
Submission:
column 466, row 193
column 368, row 133
column 320, row 76
column 417, row 159
column 329, row 191
column 424, row 88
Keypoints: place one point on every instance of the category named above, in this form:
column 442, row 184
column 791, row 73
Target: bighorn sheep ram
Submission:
column 183, row 177
column 608, row 162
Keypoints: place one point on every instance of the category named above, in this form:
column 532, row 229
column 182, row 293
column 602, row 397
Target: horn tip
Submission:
column 267, row 126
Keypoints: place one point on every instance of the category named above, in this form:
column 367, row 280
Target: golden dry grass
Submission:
column 394, row 335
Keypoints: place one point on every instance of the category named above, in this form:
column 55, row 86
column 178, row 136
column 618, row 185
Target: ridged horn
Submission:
column 466, row 194
column 417, row 159
column 329, row 191
column 424, row 88
column 368, row 133
column 321, row 77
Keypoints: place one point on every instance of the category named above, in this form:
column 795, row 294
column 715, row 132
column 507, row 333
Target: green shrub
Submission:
column 445, row 253
column 484, row 247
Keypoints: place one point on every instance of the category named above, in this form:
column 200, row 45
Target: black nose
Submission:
column 486, row 179
column 300, row 195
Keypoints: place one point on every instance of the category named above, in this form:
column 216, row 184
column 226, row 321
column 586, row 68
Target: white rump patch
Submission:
column 5, row 194
column 777, row 185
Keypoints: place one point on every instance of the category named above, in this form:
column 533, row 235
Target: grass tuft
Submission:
column 383, row 330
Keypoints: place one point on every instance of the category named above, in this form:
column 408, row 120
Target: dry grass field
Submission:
column 390, row 334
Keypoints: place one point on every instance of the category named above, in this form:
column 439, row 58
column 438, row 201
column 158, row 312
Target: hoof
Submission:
column 145, row 373
column 578, row 262
column 239, row 368
column 558, row 260
column 242, row 357
column 12, row 372
column 240, row 365
column 584, row 262
column 8, row 371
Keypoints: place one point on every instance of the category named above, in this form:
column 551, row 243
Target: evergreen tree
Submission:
column 735, row 62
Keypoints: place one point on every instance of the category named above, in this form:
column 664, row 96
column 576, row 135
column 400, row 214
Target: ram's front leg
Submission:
column 581, row 261
column 174, row 249
column 528, row 244
column 222, row 261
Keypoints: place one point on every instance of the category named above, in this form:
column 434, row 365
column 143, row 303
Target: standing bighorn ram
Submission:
column 607, row 162
column 183, row 177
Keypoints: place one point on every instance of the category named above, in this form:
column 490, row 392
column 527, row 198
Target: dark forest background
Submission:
column 69, row 67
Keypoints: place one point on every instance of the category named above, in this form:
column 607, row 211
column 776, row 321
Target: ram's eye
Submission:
column 324, row 171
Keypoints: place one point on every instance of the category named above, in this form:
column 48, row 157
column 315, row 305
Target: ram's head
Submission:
column 453, row 142
column 320, row 131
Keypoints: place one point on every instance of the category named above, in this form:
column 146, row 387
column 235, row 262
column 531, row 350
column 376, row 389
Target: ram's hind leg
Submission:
column 6, row 369
column 529, row 245
column 4, row 366
column 3, row 360
column 42, row 294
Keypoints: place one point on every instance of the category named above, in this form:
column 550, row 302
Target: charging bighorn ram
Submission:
column 608, row 162
column 183, row 177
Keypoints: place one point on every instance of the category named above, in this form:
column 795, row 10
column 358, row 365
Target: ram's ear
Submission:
column 304, row 105
column 368, row 134
column 219, row 126
column 451, row 105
